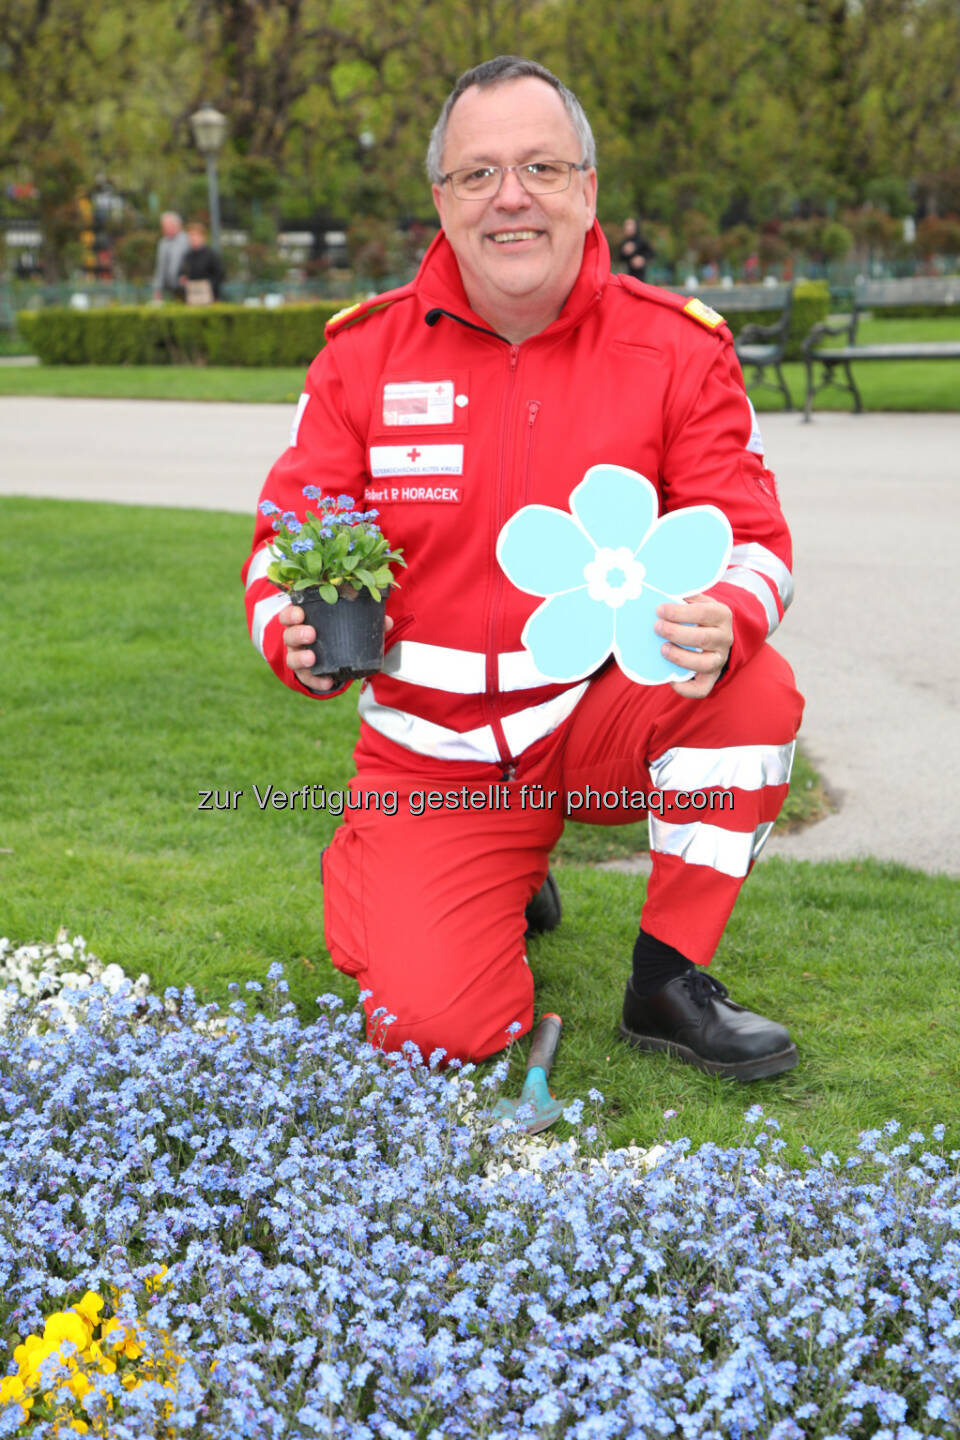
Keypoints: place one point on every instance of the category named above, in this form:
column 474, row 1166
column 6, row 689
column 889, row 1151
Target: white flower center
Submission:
column 614, row 576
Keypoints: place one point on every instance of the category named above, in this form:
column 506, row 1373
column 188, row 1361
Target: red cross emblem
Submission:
column 414, row 454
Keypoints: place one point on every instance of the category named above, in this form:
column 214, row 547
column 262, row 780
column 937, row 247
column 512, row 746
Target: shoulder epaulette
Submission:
column 688, row 305
column 352, row 313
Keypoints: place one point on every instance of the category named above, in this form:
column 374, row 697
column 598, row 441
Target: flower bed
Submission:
column 339, row 1262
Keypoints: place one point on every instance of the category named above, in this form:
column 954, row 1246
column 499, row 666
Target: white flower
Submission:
column 75, row 979
column 614, row 576
column 112, row 977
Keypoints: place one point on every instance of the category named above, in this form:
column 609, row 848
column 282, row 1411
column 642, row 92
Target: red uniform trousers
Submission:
column 426, row 909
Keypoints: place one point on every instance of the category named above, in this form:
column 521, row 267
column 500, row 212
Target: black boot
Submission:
column 544, row 911
column 693, row 1018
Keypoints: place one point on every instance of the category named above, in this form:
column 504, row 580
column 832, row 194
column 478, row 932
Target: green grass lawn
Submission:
column 884, row 385
column 130, row 685
column 155, row 382
column 915, row 385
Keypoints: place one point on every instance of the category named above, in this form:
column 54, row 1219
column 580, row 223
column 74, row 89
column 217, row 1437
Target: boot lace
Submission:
column 702, row 987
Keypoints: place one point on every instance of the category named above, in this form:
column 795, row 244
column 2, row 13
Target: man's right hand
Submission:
column 298, row 639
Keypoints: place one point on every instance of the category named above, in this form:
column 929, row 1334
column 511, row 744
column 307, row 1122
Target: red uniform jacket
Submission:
column 447, row 429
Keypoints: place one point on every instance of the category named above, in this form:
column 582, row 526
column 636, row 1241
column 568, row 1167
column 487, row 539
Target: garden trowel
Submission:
column 542, row 1109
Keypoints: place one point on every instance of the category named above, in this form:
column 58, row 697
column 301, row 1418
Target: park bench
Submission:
column 761, row 347
column 758, row 346
column 878, row 295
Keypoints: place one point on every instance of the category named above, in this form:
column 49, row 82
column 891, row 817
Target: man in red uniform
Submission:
column 511, row 364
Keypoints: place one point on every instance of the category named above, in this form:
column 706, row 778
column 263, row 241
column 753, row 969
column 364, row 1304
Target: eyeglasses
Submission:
column 538, row 177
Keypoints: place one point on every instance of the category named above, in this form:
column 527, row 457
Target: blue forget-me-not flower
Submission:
column 604, row 568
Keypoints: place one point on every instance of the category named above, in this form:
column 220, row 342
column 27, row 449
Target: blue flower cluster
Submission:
column 339, row 511
column 339, row 1264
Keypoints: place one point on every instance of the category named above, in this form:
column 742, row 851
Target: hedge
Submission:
column 178, row 334
column 242, row 335
column 811, row 305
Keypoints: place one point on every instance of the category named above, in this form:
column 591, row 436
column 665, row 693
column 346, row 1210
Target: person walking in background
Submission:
column 171, row 251
column 635, row 249
column 201, row 271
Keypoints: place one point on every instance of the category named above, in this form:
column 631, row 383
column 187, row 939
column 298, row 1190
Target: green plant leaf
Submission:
column 329, row 593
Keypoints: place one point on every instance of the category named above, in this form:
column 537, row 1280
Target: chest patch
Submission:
column 418, row 402
column 416, row 460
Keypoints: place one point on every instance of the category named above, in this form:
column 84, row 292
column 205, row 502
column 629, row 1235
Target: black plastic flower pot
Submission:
column 349, row 641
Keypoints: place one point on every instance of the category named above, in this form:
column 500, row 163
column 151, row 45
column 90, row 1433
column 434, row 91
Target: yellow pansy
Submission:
column 79, row 1384
column 11, row 1389
column 97, row 1356
column 66, row 1326
column 42, row 1350
column 155, row 1281
column 89, row 1307
column 22, row 1351
column 128, row 1346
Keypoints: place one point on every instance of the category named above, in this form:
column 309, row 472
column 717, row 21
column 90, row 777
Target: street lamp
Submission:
column 209, row 131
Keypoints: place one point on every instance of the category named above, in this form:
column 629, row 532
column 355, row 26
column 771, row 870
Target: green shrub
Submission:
column 178, row 334
column 811, row 303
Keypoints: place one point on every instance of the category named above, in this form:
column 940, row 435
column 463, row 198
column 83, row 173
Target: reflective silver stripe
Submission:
column 295, row 427
column 260, row 563
column 729, row 851
column 517, row 671
column 263, row 613
column 426, row 738
column 460, row 672
column 759, row 558
column 760, row 837
column 526, row 726
column 439, row 667
column 749, row 580
column 423, row 736
column 744, row 767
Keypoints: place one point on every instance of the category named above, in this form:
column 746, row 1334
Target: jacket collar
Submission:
column 438, row 283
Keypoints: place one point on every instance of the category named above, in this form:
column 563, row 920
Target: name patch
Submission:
column 442, row 494
column 416, row 460
column 418, row 402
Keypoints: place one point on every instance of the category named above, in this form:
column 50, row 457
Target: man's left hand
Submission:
column 705, row 623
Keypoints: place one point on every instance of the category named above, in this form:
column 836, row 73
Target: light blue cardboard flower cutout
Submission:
column 605, row 568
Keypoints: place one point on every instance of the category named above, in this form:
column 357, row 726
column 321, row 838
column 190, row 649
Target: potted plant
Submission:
column 336, row 566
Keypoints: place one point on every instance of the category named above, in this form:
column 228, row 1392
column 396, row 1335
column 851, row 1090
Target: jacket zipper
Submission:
column 533, row 410
column 507, row 763
column 492, row 678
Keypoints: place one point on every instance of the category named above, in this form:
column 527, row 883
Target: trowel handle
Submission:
column 545, row 1043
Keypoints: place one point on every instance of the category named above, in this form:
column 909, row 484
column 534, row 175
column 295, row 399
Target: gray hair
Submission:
column 497, row 72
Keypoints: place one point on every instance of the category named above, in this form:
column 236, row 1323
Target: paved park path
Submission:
column 874, row 505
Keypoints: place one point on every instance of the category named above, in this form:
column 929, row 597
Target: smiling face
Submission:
column 519, row 254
